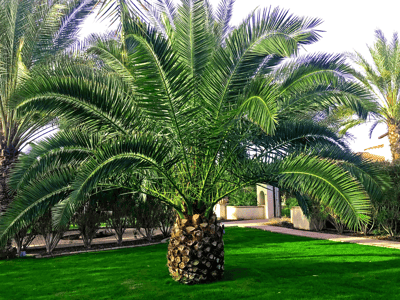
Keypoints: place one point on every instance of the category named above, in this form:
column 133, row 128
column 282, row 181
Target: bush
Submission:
column 167, row 219
column 318, row 215
column 44, row 226
column 24, row 238
column 289, row 203
column 88, row 219
column 119, row 208
column 386, row 211
column 147, row 214
column 244, row 197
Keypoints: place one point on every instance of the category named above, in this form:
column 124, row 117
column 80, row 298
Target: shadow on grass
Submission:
column 259, row 265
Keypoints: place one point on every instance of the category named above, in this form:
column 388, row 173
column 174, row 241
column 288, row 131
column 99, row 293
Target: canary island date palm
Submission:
column 31, row 32
column 175, row 101
column 382, row 78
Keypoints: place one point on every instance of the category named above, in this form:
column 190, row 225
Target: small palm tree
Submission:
column 31, row 32
column 382, row 78
column 176, row 103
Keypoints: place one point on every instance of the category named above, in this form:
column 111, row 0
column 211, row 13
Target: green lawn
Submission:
column 259, row 265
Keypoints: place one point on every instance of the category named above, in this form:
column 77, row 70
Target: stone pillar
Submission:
column 266, row 198
column 270, row 202
column 220, row 209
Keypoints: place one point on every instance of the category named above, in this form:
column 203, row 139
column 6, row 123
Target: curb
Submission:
column 96, row 250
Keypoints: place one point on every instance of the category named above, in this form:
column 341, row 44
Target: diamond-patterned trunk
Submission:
column 394, row 140
column 196, row 250
column 8, row 156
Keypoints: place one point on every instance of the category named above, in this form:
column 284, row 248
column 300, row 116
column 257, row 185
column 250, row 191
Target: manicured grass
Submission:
column 259, row 265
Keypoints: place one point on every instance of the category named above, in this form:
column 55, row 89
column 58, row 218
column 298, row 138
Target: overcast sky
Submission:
column 348, row 24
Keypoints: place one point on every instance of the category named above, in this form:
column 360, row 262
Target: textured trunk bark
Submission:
column 196, row 250
column 394, row 140
column 7, row 158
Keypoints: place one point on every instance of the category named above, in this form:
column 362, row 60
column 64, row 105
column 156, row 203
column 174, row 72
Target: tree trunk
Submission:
column 394, row 140
column 8, row 157
column 196, row 250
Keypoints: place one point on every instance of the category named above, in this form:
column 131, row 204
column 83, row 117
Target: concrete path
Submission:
column 257, row 224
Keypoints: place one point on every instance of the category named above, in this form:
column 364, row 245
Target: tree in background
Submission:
column 382, row 78
column 31, row 33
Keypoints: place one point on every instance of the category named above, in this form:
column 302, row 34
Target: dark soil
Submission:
column 77, row 236
column 66, row 250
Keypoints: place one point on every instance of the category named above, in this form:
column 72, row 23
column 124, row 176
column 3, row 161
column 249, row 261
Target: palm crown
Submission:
column 382, row 78
column 31, row 32
column 185, row 101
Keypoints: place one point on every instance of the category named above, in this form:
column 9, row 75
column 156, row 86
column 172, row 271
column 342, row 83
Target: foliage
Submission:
column 181, row 100
column 382, row 79
column 117, row 210
column 289, row 203
column 244, row 197
column 166, row 220
column 24, row 238
column 318, row 215
column 32, row 32
column 386, row 211
column 88, row 219
column 50, row 234
column 146, row 216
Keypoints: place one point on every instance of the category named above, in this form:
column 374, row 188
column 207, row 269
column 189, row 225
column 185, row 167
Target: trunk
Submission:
column 88, row 233
column 394, row 140
column 119, row 227
column 8, row 157
column 23, row 239
column 196, row 250
column 51, row 240
column 119, row 239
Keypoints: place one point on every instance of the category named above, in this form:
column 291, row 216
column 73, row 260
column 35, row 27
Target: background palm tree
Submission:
column 31, row 32
column 382, row 78
column 186, row 96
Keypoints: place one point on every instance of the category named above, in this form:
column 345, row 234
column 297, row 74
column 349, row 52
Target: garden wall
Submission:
column 299, row 220
column 227, row 212
column 268, row 206
column 244, row 212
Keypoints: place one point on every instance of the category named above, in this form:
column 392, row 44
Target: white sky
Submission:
column 348, row 24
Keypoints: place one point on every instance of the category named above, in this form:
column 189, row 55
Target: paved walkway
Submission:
column 129, row 235
column 257, row 224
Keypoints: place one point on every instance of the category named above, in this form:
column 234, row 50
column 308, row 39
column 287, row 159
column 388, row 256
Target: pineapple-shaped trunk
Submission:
column 196, row 250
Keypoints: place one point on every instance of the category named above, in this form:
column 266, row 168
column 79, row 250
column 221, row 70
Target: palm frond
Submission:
column 63, row 148
column 37, row 197
column 265, row 32
column 71, row 22
column 327, row 182
column 127, row 155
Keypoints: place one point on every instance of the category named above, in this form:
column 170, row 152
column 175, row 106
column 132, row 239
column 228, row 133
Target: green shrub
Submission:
column 244, row 197
column 289, row 203
column 285, row 211
column 386, row 211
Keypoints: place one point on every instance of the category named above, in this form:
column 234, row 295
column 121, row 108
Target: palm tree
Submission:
column 175, row 104
column 382, row 78
column 31, row 32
